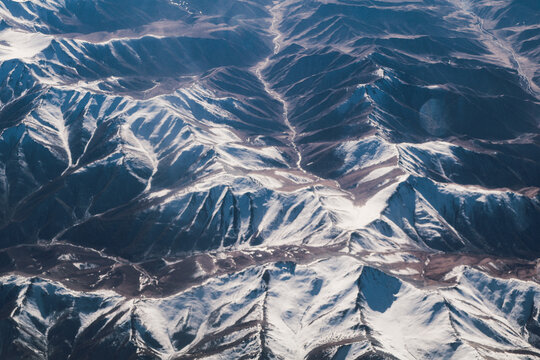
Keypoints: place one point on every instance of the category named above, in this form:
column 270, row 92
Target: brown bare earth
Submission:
column 84, row 269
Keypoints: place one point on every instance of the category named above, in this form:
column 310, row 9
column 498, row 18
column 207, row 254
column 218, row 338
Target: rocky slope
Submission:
column 269, row 179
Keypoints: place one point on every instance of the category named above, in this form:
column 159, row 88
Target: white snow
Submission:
column 84, row 265
column 15, row 44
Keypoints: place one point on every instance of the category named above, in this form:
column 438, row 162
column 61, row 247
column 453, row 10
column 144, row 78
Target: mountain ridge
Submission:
column 260, row 154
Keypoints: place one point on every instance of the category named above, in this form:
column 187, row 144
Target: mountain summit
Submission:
column 257, row 179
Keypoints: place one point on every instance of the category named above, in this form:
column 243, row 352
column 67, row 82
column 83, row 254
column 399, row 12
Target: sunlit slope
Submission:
column 292, row 167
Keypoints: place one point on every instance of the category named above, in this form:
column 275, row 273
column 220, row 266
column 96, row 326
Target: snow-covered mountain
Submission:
column 290, row 179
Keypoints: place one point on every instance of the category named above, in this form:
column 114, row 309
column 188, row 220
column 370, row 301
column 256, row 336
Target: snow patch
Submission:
column 21, row 45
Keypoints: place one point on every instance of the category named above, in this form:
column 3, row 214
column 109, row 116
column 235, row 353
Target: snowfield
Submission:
column 286, row 179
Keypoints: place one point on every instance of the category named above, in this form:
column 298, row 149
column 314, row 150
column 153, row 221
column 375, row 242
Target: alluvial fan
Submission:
column 258, row 179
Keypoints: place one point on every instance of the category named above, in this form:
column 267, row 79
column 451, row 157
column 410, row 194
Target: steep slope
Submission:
column 332, row 308
column 269, row 179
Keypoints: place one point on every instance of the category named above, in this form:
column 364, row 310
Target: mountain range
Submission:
column 257, row 179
